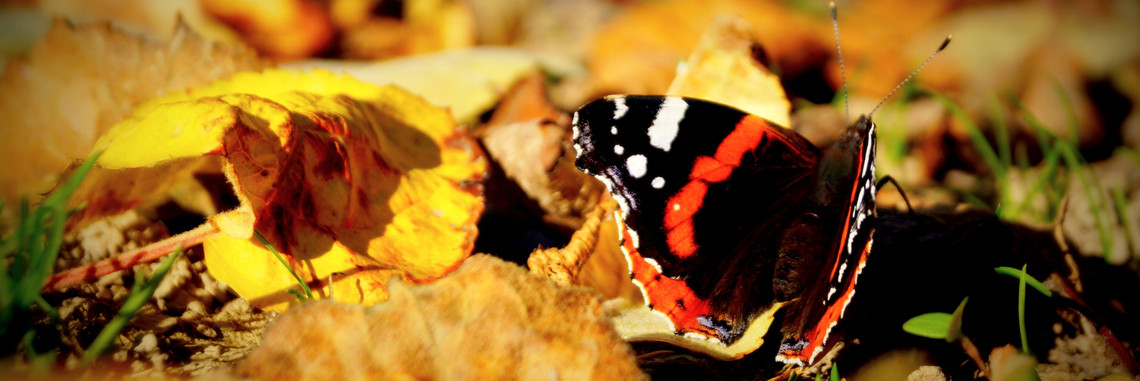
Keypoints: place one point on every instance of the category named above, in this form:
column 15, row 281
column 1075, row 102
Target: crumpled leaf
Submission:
column 80, row 80
column 727, row 67
column 487, row 320
column 562, row 265
column 527, row 137
column 352, row 183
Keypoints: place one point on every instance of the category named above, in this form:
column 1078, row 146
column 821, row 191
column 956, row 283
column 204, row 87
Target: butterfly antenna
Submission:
column 913, row 73
column 842, row 68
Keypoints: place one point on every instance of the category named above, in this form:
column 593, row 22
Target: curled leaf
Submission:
column 353, row 183
column 563, row 265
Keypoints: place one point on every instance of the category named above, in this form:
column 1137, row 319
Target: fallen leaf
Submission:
column 81, row 80
column 352, row 183
column 562, row 265
column 157, row 20
column 425, row 26
column 282, row 29
column 728, row 67
column 467, row 82
column 528, row 137
column 487, row 320
column 638, row 51
column 1007, row 364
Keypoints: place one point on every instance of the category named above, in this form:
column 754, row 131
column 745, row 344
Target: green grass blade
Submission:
column 46, row 307
column 978, row 139
column 41, row 262
column 1121, row 203
column 1033, row 282
column 1049, row 168
column 1021, row 309
column 974, row 200
column 1088, row 179
column 141, row 292
column 1131, row 154
column 835, row 372
column 1070, row 113
column 1001, row 133
column 40, row 364
column 1091, row 185
column 64, row 191
column 304, row 286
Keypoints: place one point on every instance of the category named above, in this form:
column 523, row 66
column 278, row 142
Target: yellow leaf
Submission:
column 724, row 68
column 352, row 183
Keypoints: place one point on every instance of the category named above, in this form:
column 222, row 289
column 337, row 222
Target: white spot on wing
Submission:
column 613, row 130
column 658, row 182
column 667, row 123
column 636, row 165
column 619, row 108
column 619, row 150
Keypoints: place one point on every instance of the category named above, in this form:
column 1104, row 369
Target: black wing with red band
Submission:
column 709, row 195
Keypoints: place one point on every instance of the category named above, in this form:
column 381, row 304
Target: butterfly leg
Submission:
column 883, row 181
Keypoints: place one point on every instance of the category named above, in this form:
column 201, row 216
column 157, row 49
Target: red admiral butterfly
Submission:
column 725, row 217
column 723, row 214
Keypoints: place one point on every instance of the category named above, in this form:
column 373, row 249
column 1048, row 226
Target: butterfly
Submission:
column 725, row 217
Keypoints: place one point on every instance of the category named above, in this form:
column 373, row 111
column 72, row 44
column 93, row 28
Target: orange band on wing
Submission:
column 748, row 134
column 670, row 296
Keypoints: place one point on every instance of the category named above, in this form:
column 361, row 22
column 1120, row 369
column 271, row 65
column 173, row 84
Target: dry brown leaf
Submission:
column 526, row 136
column 80, row 80
column 562, row 265
column 727, row 67
column 605, row 270
column 487, row 320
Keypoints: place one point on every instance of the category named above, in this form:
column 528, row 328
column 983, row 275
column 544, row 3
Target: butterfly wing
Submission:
column 847, row 174
column 695, row 182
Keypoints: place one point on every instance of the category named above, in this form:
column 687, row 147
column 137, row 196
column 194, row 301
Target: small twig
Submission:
column 149, row 253
column 972, row 351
